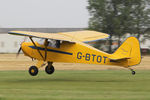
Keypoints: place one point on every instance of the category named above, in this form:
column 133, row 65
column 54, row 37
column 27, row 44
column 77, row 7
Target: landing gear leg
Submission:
column 49, row 69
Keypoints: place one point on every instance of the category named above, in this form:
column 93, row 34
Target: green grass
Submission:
column 75, row 85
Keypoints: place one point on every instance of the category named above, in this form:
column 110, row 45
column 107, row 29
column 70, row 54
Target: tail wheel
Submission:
column 49, row 69
column 33, row 70
column 133, row 72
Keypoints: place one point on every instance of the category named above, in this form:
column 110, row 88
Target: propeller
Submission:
column 20, row 47
column 18, row 52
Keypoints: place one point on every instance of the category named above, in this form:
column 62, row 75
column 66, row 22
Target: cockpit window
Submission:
column 51, row 43
column 41, row 41
column 54, row 43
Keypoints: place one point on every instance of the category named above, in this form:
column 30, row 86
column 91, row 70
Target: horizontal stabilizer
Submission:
column 115, row 59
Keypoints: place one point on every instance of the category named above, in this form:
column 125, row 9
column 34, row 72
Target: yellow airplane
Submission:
column 69, row 47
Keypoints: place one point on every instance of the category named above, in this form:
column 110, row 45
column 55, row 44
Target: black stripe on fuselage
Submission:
column 56, row 51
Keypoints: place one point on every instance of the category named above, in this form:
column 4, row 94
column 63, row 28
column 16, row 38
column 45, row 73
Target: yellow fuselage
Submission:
column 70, row 53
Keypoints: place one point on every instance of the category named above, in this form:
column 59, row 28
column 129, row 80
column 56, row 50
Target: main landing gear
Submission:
column 49, row 69
column 33, row 70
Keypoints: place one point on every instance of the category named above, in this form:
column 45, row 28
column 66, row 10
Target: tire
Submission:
column 49, row 69
column 133, row 72
column 33, row 70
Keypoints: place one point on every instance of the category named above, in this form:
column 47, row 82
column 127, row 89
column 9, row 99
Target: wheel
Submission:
column 33, row 70
column 133, row 72
column 49, row 69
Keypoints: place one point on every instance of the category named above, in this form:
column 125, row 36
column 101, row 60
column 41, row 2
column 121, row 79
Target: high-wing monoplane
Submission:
column 69, row 47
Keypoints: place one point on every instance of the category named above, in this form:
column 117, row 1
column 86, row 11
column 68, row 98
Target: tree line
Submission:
column 118, row 17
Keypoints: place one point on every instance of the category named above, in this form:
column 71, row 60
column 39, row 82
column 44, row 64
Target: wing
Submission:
column 82, row 36
column 86, row 36
column 42, row 35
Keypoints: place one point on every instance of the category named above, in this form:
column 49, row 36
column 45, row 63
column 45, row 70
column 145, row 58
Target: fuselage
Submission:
column 70, row 53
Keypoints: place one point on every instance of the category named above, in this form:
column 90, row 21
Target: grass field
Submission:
column 72, row 81
column 75, row 85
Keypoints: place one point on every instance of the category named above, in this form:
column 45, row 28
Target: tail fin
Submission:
column 129, row 50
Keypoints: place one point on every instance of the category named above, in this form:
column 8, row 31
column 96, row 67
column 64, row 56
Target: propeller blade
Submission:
column 18, row 52
column 25, row 38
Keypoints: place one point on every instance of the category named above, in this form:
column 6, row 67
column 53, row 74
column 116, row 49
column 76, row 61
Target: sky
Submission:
column 43, row 13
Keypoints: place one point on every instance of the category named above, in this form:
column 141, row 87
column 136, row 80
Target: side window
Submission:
column 54, row 43
column 51, row 43
column 41, row 41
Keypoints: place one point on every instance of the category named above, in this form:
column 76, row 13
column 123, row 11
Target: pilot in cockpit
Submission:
column 51, row 43
column 54, row 43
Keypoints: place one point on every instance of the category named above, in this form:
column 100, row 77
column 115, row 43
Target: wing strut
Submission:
column 37, row 48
